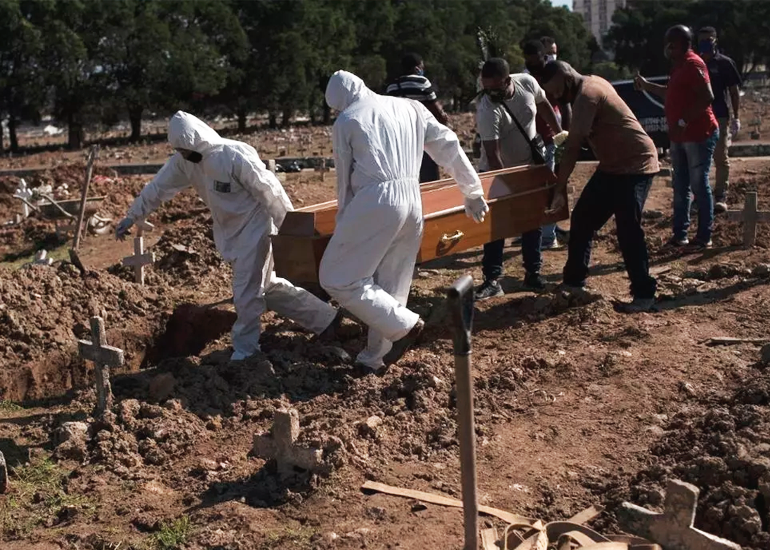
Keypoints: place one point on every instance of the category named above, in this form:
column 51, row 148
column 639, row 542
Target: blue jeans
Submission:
column 549, row 231
column 691, row 162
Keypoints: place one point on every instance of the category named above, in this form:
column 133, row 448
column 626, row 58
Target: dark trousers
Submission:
column 605, row 195
column 428, row 169
column 492, row 262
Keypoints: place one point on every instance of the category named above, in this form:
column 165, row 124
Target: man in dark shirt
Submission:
column 725, row 79
column 413, row 84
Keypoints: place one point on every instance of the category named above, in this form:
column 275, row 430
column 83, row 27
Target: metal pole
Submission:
column 92, row 156
column 461, row 308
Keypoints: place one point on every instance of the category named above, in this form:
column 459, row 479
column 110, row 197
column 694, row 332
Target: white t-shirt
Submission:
column 494, row 123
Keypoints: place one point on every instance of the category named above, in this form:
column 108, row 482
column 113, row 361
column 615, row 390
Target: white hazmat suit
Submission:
column 247, row 204
column 378, row 147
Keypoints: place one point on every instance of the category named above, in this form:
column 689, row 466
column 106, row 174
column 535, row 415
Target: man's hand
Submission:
column 558, row 202
column 735, row 126
column 640, row 83
column 122, row 230
column 476, row 209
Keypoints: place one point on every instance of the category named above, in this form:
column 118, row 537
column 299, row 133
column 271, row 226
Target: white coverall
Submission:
column 378, row 146
column 247, row 204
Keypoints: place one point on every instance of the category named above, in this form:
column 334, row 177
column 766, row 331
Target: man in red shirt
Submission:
column 693, row 131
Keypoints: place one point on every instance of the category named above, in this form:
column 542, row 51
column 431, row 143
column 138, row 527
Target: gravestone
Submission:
column 3, row 475
column 140, row 259
column 673, row 529
column 281, row 445
column 750, row 217
column 41, row 258
column 104, row 357
column 23, row 192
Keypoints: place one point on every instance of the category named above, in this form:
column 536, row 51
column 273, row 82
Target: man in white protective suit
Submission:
column 368, row 265
column 247, row 204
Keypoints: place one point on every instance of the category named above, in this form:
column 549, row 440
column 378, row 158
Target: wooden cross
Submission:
column 23, row 192
column 673, row 529
column 103, row 357
column 3, row 475
column 750, row 217
column 280, row 444
column 140, row 259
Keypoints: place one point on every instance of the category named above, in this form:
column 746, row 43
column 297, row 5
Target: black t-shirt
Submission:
column 724, row 75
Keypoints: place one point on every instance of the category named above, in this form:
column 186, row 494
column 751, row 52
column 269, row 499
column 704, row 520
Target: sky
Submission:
column 567, row 3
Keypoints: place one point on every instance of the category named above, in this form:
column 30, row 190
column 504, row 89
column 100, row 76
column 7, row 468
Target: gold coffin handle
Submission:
column 447, row 239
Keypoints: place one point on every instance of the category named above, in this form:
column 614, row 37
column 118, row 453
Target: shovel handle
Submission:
column 461, row 307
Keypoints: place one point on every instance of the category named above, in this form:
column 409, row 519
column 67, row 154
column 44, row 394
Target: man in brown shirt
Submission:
column 627, row 162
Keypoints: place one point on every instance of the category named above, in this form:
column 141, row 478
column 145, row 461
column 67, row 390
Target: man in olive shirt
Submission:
column 627, row 162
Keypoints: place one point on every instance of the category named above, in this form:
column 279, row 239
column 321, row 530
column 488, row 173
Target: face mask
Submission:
column 194, row 157
column 420, row 72
column 550, row 57
column 706, row 47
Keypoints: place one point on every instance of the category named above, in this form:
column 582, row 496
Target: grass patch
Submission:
column 172, row 535
column 299, row 538
column 16, row 262
column 9, row 406
column 38, row 496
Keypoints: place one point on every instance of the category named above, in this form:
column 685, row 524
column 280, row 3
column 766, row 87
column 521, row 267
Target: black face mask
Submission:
column 533, row 69
column 194, row 157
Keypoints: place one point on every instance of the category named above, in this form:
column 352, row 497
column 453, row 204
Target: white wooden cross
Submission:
column 750, row 217
column 140, row 259
column 281, row 446
column 673, row 529
column 23, row 192
column 104, row 357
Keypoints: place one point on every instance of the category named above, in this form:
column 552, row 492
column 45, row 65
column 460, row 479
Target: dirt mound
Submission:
column 44, row 310
column 724, row 449
column 186, row 252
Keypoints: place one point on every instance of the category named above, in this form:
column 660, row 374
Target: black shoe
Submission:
column 486, row 290
column 331, row 332
column 401, row 346
column 698, row 244
column 720, row 205
column 534, row 281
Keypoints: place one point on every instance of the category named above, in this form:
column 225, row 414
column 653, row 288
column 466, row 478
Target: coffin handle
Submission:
column 447, row 239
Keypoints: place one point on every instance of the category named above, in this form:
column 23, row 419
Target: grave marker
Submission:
column 280, row 444
column 750, row 217
column 41, row 258
column 103, row 357
column 140, row 259
column 673, row 529
column 23, row 192
column 3, row 475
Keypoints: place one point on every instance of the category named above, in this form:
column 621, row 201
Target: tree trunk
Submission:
column 76, row 134
column 242, row 121
column 12, row 133
column 1, row 134
column 286, row 117
column 327, row 114
column 273, row 121
column 135, row 118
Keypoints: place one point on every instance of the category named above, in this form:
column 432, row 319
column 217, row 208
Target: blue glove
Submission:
column 123, row 227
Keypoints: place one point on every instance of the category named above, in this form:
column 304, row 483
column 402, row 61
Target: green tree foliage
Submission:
column 638, row 30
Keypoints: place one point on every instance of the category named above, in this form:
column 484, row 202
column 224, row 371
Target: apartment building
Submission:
column 597, row 14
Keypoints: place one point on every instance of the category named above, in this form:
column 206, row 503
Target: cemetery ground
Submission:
column 576, row 404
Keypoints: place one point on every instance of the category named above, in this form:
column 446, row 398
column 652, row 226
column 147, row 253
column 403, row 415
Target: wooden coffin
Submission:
column 517, row 197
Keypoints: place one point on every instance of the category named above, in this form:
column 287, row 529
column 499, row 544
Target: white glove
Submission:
column 735, row 127
column 122, row 230
column 560, row 138
column 476, row 209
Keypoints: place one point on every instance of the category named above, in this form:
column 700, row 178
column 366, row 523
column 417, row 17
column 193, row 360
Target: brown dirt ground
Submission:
column 575, row 404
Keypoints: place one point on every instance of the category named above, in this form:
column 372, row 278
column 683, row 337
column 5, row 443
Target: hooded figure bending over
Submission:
column 247, row 204
column 367, row 266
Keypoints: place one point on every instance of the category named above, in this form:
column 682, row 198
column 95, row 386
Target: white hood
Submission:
column 186, row 131
column 345, row 88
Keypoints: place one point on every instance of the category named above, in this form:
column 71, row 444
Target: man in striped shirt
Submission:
column 414, row 85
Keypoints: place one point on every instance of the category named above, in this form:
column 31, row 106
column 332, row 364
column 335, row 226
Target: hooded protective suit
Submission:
column 378, row 146
column 247, row 204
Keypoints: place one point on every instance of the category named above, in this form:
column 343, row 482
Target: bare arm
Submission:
column 545, row 110
column 735, row 99
column 566, row 115
column 437, row 111
column 492, row 150
column 657, row 89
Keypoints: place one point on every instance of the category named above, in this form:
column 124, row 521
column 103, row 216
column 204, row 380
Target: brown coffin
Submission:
column 517, row 197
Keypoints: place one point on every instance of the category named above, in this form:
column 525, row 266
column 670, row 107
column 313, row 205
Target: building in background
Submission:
column 597, row 15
